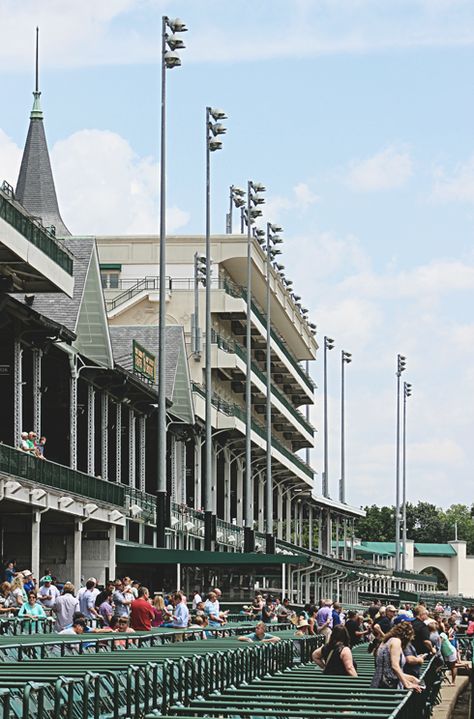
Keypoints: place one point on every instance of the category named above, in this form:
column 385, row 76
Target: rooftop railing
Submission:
column 34, row 232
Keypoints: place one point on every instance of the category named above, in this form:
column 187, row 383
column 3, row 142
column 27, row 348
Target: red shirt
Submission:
column 142, row 614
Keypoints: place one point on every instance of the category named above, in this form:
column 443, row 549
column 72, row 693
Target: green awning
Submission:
column 110, row 266
column 139, row 554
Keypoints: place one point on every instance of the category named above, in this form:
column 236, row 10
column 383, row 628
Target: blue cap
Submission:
column 403, row 618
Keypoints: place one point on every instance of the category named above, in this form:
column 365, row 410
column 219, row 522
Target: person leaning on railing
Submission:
column 390, row 660
column 260, row 635
column 31, row 609
column 335, row 657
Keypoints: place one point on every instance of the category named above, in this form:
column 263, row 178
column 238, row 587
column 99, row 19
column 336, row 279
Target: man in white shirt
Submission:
column 48, row 593
column 197, row 599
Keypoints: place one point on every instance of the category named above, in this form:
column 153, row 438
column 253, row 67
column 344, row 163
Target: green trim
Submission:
column 425, row 549
column 139, row 554
column 110, row 266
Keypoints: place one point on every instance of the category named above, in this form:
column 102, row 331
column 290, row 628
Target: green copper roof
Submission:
column 377, row 547
column 434, row 550
column 36, row 112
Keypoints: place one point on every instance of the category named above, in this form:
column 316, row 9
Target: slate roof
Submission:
column 35, row 188
column 59, row 307
column 147, row 336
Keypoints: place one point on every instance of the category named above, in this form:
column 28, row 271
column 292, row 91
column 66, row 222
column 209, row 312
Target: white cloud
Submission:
column 302, row 197
column 388, row 169
column 458, row 186
column 103, row 186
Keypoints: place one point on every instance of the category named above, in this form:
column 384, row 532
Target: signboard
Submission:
column 4, row 369
column 144, row 363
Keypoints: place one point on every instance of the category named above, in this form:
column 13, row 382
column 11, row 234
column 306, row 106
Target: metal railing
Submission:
column 34, row 233
column 15, row 462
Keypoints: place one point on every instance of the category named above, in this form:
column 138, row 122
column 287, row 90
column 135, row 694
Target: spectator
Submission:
column 374, row 609
column 32, row 437
column 10, row 571
column 212, row 609
column 421, row 641
column 142, row 613
column 29, row 582
column 40, row 446
column 268, row 610
column 31, row 609
column 260, row 635
column 336, row 614
column 17, row 593
column 48, row 593
column 335, row 657
column 106, row 609
column 104, row 593
column 122, row 600
column 302, row 627
column 181, row 611
column 64, row 607
column 354, row 627
column 384, row 621
column 25, row 445
column 87, row 601
column 324, row 619
column 121, row 626
column 78, row 627
column 197, row 599
column 284, row 611
column 159, row 611
column 5, row 589
column 200, row 609
column 390, row 660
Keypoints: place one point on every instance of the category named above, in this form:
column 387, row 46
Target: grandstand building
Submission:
column 80, row 369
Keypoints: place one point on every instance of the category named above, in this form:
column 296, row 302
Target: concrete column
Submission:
column 104, row 435
column 197, row 473
column 320, row 532
column 345, row 538
column 261, row 503
column 112, row 543
column 300, row 523
column 77, row 554
column 240, row 492
column 214, row 479
column 35, row 543
column 90, row 429
column 280, row 513
column 18, row 392
column 37, row 355
column 132, row 449
column 352, row 541
column 310, row 528
column 227, row 486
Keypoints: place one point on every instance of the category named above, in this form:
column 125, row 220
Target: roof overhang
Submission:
column 138, row 554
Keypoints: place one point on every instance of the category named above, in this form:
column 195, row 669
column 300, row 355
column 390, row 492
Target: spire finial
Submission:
column 37, row 60
column 36, row 112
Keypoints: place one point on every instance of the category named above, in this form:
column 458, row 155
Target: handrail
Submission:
column 34, row 233
column 14, row 461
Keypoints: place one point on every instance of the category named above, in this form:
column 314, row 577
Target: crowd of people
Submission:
column 32, row 444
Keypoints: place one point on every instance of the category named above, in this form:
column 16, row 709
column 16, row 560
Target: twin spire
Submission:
column 35, row 188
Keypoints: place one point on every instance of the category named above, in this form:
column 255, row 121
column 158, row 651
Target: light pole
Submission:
column 407, row 389
column 236, row 199
column 328, row 345
column 169, row 59
column 252, row 212
column 346, row 358
column 199, row 278
column 272, row 251
column 401, row 366
column 214, row 129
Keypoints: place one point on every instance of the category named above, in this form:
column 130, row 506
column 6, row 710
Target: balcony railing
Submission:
column 240, row 351
column 17, row 463
column 34, row 233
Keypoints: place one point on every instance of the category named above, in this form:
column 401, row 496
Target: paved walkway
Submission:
column 449, row 696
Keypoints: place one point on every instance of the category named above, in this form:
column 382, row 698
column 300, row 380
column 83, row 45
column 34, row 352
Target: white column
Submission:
column 320, row 532
column 77, row 554
column 280, row 512
column 112, row 543
column 261, row 502
column 345, row 538
column 141, row 452
column 37, row 355
column 73, row 421
column 104, row 435
column 310, row 528
column 214, row 479
column 288, row 516
column 329, row 533
column 118, row 442
column 90, row 429
column 240, row 492
column 180, row 448
column 174, row 492
column 337, row 537
column 197, row 473
column 18, row 392
column 35, row 543
column 132, row 463
column 300, row 523
column 227, row 486
column 352, row 541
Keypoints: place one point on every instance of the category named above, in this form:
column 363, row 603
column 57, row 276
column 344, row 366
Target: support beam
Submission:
column 288, row 516
column 261, row 502
column 240, row 492
column 214, row 480
column 118, row 442
column 198, row 473
column 310, row 528
column 90, row 429
column 37, row 358
column 77, row 554
column 112, row 543
column 227, row 485
column 104, row 435
column 18, row 392
column 73, row 420
column 141, row 452
column 132, row 445
column 35, row 543
column 280, row 512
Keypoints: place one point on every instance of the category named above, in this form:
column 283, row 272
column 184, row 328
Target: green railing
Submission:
column 34, row 233
column 17, row 463
column 147, row 502
column 240, row 351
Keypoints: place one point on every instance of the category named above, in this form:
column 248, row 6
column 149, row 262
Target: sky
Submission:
column 357, row 116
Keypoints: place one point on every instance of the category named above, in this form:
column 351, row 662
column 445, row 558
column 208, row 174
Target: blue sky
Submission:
column 357, row 115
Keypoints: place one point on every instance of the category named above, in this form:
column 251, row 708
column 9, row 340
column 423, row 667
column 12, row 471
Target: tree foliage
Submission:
column 425, row 523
